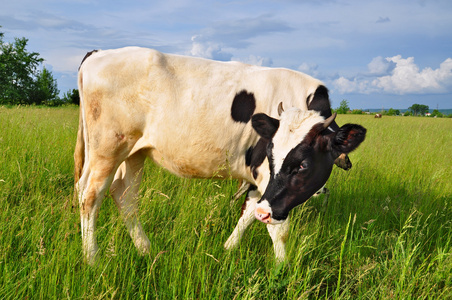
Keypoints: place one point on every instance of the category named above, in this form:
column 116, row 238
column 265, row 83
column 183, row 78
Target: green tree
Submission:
column 393, row 112
column 21, row 81
column 45, row 89
column 72, row 97
column 437, row 113
column 343, row 107
column 424, row 109
column 418, row 109
column 414, row 109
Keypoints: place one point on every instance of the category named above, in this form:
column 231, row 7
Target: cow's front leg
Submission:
column 279, row 234
column 246, row 218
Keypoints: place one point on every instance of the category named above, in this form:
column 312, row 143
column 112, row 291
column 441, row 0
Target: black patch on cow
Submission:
column 321, row 102
column 248, row 156
column 264, row 125
column 270, row 158
column 243, row 107
column 86, row 56
column 255, row 156
column 250, row 189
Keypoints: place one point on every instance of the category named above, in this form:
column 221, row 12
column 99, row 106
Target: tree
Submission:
column 418, row 109
column 437, row 113
column 343, row 108
column 72, row 97
column 45, row 88
column 393, row 112
column 414, row 109
column 21, row 81
column 424, row 109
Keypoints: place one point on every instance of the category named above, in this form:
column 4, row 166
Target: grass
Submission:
column 385, row 233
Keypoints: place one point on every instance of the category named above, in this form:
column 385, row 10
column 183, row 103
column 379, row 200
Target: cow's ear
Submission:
column 264, row 125
column 348, row 138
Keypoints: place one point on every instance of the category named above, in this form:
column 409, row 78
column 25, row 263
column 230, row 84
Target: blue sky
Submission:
column 375, row 54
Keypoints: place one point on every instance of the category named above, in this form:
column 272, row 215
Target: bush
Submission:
column 393, row 112
column 437, row 114
column 343, row 108
column 54, row 102
column 72, row 97
column 357, row 111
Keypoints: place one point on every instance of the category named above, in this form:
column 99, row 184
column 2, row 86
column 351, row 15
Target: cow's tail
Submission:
column 79, row 154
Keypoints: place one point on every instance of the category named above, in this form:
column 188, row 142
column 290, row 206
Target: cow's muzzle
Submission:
column 263, row 213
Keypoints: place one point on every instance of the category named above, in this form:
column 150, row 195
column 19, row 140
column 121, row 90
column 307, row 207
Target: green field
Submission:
column 386, row 232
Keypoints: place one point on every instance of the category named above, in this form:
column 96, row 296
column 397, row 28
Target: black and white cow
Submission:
column 201, row 118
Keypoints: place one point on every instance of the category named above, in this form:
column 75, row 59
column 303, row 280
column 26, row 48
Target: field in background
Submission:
column 386, row 232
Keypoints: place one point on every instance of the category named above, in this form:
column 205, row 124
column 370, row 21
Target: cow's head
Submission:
column 301, row 152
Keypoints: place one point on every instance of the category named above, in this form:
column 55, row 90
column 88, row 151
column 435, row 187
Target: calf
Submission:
column 201, row 118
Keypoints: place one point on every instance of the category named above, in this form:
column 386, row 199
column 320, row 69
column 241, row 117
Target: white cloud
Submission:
column 208, row 50
column 406, row 77
column 346, row 86
column 380, row 66
column 397, row 75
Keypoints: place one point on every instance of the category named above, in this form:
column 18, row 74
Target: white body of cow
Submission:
column 139, row 103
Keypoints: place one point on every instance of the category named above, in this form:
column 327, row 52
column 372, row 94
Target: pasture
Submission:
column 386, row 232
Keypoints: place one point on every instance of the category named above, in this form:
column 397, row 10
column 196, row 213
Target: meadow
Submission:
column 386, row 232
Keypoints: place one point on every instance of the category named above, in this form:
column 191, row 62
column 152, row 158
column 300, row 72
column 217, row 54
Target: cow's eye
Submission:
column 303, row 166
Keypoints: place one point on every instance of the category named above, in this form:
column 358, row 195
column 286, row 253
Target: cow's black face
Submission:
column 303, row 173
column 301, row 154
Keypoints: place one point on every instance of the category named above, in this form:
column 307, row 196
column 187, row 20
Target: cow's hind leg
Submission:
column 124, row 190
column 246, row 218
column 91, row 188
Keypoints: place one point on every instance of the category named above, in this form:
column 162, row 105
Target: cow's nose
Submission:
column 262, row 215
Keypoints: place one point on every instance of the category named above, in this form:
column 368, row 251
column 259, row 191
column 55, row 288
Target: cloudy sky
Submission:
column 375, row 54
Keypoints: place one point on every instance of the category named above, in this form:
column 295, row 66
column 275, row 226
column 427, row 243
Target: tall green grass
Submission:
column 385, row 233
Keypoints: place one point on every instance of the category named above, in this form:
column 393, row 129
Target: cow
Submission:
column 377, row 115
column 200, row 118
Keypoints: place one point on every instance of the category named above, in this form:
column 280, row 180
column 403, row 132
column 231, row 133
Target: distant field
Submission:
column 443, row 111
column 386, row 232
